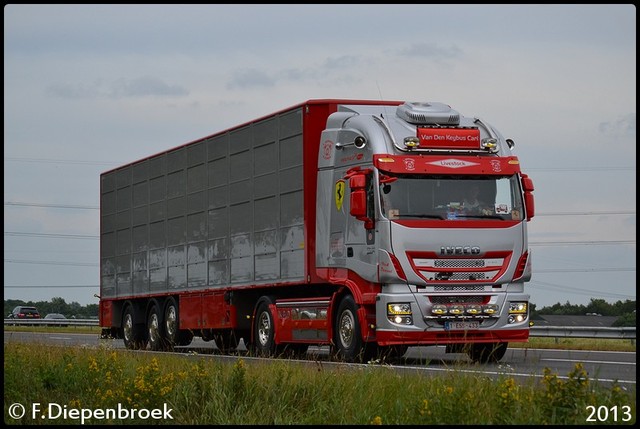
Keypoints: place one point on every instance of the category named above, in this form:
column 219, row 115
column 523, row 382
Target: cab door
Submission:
column 360, row 239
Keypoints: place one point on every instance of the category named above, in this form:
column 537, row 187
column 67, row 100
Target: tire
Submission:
column 155, row 327
column 264, row 331
column 134, row 334
column 487, row 352
column 173, row 335
column 347, row 338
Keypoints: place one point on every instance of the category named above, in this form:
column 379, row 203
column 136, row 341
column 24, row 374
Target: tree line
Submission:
column 624, row 310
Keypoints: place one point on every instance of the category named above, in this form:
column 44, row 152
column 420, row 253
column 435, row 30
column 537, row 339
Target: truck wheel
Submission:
column 174, row 336
column 226, row 340
column 485, row 353
column 156, row 329
column 133, row 334
column 347, row 338
column 264, row 331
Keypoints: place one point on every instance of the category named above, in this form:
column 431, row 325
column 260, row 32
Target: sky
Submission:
column 88, row 88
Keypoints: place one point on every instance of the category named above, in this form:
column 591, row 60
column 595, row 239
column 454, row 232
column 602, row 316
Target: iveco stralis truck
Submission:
column 340, row 223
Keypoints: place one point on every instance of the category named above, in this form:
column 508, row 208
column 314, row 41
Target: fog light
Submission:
column 516, row 318
column 490, row 309
column 401, row 320
column 474, row 309
column 439, row 309
column 456, row 309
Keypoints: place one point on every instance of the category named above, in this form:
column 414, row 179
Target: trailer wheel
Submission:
column 485, row 353
column 174, row 336
column 264, row 331
column 133, row 334
column 347, row 339
column 156, row 329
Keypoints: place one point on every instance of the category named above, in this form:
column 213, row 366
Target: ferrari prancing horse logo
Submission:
column 340, row 187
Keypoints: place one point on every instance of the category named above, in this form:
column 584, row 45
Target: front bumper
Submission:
column 428, row 328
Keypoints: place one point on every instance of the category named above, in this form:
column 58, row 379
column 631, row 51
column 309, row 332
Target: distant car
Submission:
column 57, row 317
column 24, row 312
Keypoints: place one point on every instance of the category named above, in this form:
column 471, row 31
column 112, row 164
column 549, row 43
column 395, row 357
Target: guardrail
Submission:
column 51, row 322
column 583, row 332
column 536, row 331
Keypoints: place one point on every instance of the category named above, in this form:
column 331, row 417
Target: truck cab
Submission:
column 394, row 216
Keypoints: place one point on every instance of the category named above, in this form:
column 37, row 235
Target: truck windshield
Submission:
column 450, row 197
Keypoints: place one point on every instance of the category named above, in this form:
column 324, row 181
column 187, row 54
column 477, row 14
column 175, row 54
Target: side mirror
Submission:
column 527, row 186
column 358, row 203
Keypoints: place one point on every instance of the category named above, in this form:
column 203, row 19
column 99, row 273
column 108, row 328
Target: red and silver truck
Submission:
column 340, row 223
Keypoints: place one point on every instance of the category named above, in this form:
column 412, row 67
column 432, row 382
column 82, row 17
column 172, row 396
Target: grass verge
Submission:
column 97, row 385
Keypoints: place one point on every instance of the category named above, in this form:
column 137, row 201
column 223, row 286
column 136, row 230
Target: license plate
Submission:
column 460, row 326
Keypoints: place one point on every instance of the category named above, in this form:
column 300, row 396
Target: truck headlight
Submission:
column 518, row 312
column 400, row 313
column 518, row 308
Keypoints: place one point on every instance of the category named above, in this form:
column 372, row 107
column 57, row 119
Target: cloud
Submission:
column 249, row 78
column 330, row 66
column 431, row 51
column 254, row 78
column 624, row 126
column 146, row 86
column 341, row 63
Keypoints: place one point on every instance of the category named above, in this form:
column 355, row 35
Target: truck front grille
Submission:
column 433, row 267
